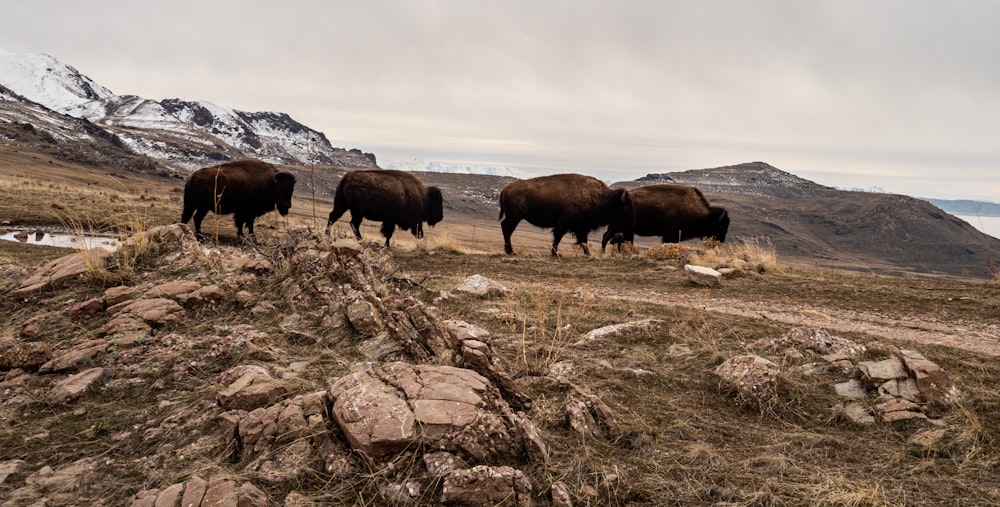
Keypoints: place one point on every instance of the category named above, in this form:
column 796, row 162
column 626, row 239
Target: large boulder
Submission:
column 401, row 405
column 62, row 271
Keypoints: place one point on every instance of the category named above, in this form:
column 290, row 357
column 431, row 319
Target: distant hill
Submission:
column 752, row 178
column 859, row 230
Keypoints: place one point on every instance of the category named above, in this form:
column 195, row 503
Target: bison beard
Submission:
column 246, row 188
column 566, row 203
column 395, row 198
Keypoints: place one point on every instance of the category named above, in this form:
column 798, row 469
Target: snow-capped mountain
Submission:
column 47, row 81
column 179, row 133
column 418, row 165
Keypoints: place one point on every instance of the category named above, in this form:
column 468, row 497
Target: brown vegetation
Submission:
column 679, row 438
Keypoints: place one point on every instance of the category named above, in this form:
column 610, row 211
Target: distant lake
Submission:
column 989, row 225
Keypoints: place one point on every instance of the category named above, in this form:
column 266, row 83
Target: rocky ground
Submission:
column 307, row 370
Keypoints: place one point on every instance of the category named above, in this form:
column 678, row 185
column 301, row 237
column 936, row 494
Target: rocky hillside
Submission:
column 434, row 386
column 309, row 371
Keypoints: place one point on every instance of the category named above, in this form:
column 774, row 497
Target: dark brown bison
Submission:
column 245, row 188
column 387, row 196
column 673, row 212
column 566, row 203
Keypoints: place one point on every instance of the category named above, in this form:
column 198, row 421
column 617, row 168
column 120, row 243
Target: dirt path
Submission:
column 979, row 338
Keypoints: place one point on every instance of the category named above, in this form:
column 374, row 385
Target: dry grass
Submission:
column 680, row 439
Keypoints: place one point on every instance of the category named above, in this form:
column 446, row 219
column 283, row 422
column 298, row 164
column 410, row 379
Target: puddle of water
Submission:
column 59, row 239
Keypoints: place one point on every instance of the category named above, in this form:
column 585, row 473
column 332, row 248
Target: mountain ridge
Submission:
column 181, row 134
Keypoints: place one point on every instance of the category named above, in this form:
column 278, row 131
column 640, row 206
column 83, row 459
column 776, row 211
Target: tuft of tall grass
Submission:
column 756, row 251
column 542, row 327
column 128, row 222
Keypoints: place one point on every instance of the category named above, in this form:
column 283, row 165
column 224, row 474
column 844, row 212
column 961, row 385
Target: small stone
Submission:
column 703, row 276
column 75, row 386
column 26, row 356
column 928, row 438
column 753, row 378
column 623, row 329
column 851, row 389
column 900, row 388
column 118, row 294
column 88, row 308
column 249, row 392
column 879, row 372
column 853, row 412
column 439, row 463
column 172, row 289
column 10, row 467
column 478, row 285
column 486, row 486
column 560, row 495
column 933, row 382
column 194, row 491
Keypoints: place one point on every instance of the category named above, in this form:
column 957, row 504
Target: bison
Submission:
column 673, row 212
column 566, row 203
column 389, row 196
column 245, row 188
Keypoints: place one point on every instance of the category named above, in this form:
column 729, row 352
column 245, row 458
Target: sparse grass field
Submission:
column 682, row 440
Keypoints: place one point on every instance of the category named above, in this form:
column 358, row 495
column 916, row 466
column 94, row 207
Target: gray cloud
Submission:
column 904, row 95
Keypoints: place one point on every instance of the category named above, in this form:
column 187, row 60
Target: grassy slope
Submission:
column 682, row 441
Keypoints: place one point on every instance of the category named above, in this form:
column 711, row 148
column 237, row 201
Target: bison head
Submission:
column 434, row 211
column 717, row 223
column 621, row 215
column 284, row 184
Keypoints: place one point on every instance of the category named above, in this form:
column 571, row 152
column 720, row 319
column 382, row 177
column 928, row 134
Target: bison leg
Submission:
column 581, row 239
column 249, row 222
column 615, row 238
column 356, row 225
column 239, row 221
column 507, row 225
column 557, row 235
column 608, row 235
column 335, row 215
column 387, row 229
column 198, row 217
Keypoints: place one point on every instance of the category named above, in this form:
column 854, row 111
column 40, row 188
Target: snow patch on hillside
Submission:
column 47, row 81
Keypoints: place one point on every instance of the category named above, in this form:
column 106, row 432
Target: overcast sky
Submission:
column 902, row 95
